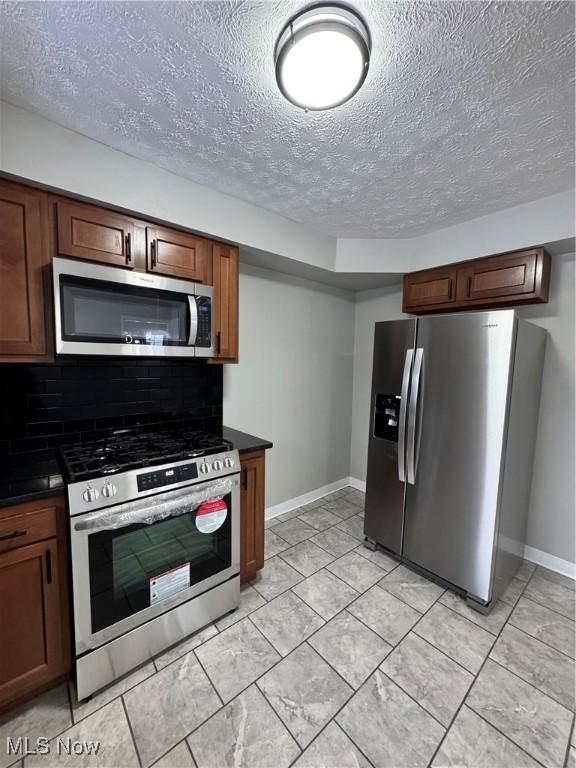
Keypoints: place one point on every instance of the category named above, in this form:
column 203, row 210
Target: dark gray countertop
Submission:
column 243, row 442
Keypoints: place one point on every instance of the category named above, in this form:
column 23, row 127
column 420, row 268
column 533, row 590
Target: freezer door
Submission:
column 455, row 445
column 393, row 354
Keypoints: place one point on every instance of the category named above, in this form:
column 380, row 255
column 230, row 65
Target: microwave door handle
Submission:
column 193, row 311
column 402, row 416
column 412, row 413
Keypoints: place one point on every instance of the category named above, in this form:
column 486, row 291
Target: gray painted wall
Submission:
column 293, row 384
column 551, row 515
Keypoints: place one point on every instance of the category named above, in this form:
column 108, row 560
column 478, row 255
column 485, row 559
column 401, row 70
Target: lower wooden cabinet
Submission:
column 34, row 622
column 251, row 514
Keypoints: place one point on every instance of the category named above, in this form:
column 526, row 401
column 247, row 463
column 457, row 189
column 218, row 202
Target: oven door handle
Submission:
column 122, row 516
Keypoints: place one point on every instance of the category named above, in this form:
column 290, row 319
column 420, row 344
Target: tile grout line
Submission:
column 504, row 736
column 209, row 678
column 124, row 707
column 527, row 682
column 569, row 747
column 539, row 640
column 425, row 640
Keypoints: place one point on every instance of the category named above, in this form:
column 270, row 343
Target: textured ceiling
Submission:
column 467, row 107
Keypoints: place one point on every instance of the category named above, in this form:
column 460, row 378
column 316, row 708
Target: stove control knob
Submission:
column 109, row 490
column 217, row 466
column 228, row 463
column 90, row 494
column 205, row 467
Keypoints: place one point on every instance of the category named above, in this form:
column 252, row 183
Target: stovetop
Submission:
column 126, row 449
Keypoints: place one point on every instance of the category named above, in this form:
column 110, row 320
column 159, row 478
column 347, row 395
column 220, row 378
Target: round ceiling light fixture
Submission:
column 322, row 57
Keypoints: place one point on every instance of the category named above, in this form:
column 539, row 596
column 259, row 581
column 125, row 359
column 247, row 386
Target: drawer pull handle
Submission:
column 48, row 567
column 13, row 535
column 128, row 250
column 153, row 254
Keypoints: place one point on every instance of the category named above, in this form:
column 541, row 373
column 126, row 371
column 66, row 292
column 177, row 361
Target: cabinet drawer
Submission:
column 430, row 288
column 20, row 526
column 498, row 277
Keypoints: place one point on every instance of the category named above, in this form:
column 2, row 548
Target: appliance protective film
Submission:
column 149, row 511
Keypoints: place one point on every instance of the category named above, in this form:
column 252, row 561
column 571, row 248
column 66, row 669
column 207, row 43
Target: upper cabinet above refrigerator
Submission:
column 508, row 279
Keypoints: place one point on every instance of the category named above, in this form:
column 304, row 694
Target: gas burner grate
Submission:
column 125, row 450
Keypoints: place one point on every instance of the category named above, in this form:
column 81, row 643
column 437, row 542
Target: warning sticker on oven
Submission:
column 211, row 515
column 167, row 584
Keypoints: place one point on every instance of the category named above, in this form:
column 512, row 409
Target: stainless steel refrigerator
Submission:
column 454, row 413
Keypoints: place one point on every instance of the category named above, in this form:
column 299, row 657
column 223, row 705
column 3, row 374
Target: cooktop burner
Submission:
column 124, row 450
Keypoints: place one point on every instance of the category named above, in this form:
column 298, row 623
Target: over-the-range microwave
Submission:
column 100, row 310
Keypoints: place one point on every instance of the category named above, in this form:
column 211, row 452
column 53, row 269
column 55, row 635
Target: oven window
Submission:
column 99, row 311
column 141, row 565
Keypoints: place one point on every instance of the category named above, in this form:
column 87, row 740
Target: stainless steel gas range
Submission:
column 155, row 543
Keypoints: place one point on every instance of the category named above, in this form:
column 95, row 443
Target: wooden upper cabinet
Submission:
column 508, row 279
column 96, row 234
column 225, row 302
column 499, row 277
column 252, row 469
column 24, row 256
column 431, row 288
column 179, row 254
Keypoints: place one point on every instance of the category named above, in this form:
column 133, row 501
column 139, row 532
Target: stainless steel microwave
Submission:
column 100, row 310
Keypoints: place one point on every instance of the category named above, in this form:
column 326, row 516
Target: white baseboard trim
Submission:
column 553, row 563
column 306, row 498
column 360, row 485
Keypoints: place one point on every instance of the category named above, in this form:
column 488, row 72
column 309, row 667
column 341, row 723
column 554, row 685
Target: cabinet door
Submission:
column 30, row 619
column 430, row 289
column 95, row 234
column 225, row 303
column 23, row 255
column 179, row 254
column 251, row 515
column 511, row 276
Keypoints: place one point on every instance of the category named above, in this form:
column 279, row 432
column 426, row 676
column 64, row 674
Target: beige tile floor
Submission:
column 338, row 657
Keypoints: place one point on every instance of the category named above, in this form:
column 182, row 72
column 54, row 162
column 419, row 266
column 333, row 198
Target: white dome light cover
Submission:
column 330, row 39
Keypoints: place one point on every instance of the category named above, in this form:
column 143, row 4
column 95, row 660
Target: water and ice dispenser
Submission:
column 387, row 417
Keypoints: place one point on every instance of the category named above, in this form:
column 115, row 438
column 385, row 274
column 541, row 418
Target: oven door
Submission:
column 135, row 561
column 101, row 310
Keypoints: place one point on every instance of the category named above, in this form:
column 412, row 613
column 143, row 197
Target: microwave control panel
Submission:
column 204, row 333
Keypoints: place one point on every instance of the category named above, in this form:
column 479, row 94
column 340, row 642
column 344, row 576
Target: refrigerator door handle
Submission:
column 412, row 411
column 402, row 424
